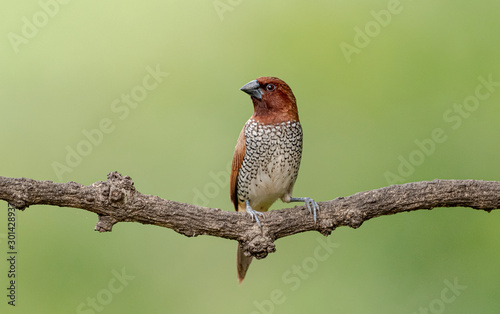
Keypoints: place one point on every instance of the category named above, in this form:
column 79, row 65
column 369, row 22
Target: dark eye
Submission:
column 270, row 87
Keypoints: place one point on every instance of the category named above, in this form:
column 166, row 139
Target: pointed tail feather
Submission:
column 242, row 263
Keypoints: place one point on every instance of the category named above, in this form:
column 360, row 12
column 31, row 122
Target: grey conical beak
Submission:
column 252, row 88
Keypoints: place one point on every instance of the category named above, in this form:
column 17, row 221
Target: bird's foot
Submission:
column 311, row 205
column 254, row 214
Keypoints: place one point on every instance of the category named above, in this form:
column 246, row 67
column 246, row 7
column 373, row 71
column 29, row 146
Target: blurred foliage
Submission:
column 361, row 119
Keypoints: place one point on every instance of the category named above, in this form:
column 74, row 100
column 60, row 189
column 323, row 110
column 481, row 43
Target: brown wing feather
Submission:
column 239, row 153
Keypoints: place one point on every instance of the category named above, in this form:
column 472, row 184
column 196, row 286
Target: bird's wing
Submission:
column 239, row 154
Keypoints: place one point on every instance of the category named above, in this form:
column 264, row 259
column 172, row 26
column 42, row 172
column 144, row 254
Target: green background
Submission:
column 360, row 118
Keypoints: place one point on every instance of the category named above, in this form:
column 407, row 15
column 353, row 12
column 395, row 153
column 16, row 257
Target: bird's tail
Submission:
column 242, row 263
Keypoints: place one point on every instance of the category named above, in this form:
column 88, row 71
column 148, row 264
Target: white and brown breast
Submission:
column 270, row 164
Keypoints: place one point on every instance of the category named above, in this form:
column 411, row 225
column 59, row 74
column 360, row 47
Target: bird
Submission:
column 267, row 155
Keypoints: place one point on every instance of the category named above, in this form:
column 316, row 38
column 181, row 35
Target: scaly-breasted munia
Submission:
column 267, row 155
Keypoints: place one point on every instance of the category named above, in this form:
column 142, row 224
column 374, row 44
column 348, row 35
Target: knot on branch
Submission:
column 25, row 193
column 18, row 204
column 115, row 193
column 259, row 246
column 105, row 223
column 119, row 188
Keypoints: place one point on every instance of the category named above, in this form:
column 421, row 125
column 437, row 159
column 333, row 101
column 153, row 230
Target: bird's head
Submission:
column 273, row 100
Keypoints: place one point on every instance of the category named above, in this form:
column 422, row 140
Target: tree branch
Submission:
column 117, row 200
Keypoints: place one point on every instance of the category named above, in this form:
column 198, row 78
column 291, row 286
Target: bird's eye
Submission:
column 270, row 87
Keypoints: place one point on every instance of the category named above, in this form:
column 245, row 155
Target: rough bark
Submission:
column 116, row 200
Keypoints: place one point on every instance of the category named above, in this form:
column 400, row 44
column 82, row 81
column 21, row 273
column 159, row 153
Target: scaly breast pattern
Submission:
column 271, row 163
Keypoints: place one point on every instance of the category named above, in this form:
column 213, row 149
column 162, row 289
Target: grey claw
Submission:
column 311, row 205
column 254, row 214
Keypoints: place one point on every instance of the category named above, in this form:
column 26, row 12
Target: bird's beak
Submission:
column 252, row 88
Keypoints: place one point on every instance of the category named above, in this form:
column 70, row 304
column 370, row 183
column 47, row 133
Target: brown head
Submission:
column 273, row 100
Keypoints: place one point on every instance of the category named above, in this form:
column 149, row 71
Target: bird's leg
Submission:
column 311, row 205
column 253, row 213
